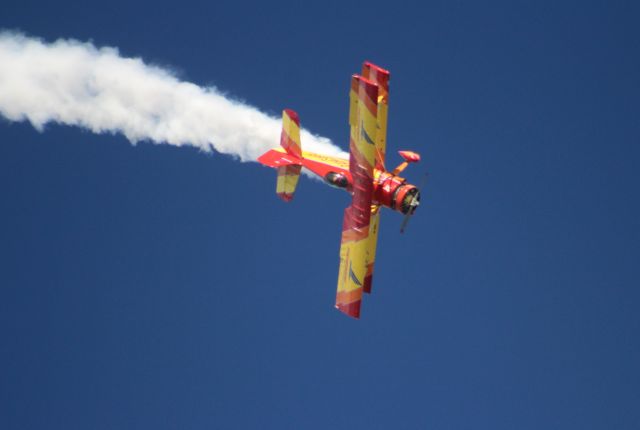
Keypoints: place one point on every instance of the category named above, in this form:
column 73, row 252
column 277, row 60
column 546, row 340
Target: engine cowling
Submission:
column 407, row 199
column 393, row 192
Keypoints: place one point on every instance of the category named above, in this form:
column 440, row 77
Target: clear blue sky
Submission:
column 151, row 287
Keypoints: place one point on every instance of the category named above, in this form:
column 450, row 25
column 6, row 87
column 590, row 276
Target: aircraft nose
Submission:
column 411, row 200
column 416, row 201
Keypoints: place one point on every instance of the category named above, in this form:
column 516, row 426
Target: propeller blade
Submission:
column 405, row 221
column 414, row 204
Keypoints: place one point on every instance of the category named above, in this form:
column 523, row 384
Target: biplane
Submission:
column 363, row 175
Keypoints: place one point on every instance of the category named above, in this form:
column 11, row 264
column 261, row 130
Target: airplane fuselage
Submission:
column 389, row 190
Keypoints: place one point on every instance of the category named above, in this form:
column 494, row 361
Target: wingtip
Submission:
column 377, row 74
column 370, row 65
column 287, row 197
column 293, row 115
column 370, row 88
column 366, row 286
column 351, row 309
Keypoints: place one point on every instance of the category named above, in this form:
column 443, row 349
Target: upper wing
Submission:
column 380, row 77
column 357, row 217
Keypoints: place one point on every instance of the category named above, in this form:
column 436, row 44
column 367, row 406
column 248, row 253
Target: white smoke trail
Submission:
column 75, row 83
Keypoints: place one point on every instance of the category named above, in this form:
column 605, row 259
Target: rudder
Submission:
column 290, row 136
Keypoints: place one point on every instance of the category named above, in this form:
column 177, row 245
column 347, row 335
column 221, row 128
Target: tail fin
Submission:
column 289, row 164
column 290, row 137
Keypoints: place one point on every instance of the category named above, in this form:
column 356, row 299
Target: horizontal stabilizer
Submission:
column 275, row 158
column 288, row 159
column 287, row 181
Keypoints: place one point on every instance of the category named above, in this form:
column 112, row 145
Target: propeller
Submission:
column 413, row 204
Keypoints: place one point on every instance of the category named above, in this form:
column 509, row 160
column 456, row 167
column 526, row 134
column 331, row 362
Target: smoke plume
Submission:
column 75, row 83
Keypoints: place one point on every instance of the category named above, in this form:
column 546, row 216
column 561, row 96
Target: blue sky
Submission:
column 158, row 287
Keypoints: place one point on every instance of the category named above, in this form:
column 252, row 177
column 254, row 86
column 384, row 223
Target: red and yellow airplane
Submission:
column 363, row 175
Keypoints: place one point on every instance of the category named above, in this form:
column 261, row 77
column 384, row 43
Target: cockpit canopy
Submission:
column 337, row 180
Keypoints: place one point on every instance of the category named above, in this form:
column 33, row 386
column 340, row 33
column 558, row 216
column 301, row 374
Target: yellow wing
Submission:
column 380, row 77
column 356, row 222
